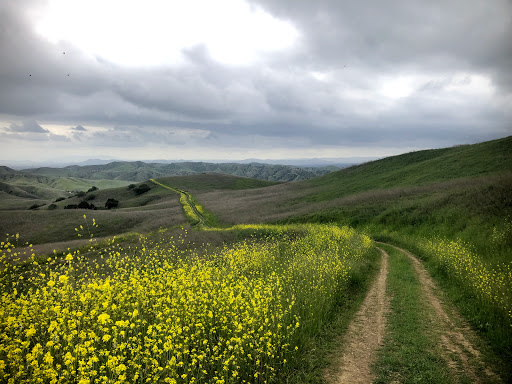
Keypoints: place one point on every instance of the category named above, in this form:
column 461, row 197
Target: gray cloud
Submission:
column 27, row 126
column 331, row 89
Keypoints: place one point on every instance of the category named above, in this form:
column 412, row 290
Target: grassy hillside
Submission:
column 141, row 212
column 214, row 181
column 452, row 207
column 416, row 169
column 383, row 182
column 37, row 189
column 140, row 171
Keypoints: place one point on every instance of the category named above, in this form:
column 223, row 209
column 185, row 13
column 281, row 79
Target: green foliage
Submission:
column 85, row 205
column 34, row 206
column 140, row 189
column 92, row 189
column 59, row 199
column 51, row 207
column 111, row 203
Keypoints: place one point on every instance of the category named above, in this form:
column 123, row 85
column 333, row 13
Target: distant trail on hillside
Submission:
column 185, row 199
column 364, row 335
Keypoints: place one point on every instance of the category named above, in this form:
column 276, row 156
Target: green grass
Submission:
column 469, row 209
column 322, row 349
column 491, row 323
column 214, row 181
column 410, row 353
column 415, row 169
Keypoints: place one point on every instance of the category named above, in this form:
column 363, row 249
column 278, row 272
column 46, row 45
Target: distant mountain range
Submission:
column 340, row 162
column 141, row 171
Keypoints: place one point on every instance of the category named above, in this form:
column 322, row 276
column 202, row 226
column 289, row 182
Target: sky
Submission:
column 238, row 79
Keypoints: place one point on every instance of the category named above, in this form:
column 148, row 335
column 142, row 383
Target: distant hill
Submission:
column 27, row 186
column 141, row 171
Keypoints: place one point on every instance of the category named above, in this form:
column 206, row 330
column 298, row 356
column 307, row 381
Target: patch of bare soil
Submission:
column 364, row 335
column 457, row 339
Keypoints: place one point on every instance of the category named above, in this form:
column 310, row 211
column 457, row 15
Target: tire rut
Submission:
column 455, row 336
column 364, row 335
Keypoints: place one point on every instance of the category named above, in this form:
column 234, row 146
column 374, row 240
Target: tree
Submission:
column 83, row 205
column 111, row 203
column 141, row 189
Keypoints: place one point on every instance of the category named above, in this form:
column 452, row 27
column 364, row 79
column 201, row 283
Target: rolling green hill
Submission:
column 215, row 181
column 416, row 169
column 461, row 192
column 140, row 171
column 32, row 189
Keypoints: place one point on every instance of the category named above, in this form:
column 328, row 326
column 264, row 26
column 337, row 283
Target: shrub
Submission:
column 59, row 199
column 80, row 194
column 83, row 205
column 34, row 206
column 131, row 186
column 111, row 203
column 51, row 207
column 90, row 197
column 143, row 188
column 92, row 189
column 71, row 206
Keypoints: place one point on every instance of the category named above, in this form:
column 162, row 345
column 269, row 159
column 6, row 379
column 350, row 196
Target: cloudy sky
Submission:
column 236, row 79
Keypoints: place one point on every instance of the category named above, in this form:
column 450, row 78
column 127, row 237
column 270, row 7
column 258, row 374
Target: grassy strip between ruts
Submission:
column 490, row 323
column 410, row 353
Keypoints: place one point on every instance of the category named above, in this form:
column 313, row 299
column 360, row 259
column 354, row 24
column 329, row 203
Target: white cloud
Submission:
column 154, row 32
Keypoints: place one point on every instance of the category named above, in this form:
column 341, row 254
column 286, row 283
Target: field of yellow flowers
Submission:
column 491, row 284
column 154, row 313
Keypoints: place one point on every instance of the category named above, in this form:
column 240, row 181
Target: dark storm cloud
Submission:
column 403, row 33
column 327, row 90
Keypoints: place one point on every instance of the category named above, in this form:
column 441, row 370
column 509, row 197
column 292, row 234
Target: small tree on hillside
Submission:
column 143, row 188
column 111, row 203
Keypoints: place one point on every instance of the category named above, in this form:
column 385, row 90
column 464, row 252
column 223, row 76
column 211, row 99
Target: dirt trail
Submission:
column 364, row 335
column 456, row 338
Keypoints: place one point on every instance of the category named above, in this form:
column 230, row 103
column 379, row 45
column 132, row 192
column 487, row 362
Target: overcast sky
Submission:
column 236, row 79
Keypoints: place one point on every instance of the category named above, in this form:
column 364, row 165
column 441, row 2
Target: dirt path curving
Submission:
column 456, row 339
column 364, row 335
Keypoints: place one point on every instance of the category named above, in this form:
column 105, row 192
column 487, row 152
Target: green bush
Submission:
column 111, row 203
column 143, row 188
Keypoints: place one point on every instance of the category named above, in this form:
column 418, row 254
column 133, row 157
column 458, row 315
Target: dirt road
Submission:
column 456, row 341
column 364, row 335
